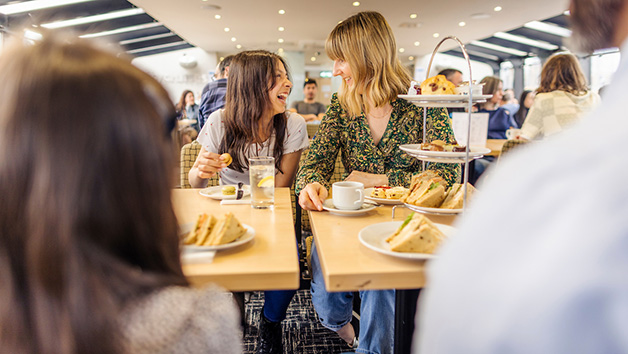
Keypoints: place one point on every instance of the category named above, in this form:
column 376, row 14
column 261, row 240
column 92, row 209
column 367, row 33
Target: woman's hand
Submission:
column 312, row 196
column 368, row 179
column 207, row 164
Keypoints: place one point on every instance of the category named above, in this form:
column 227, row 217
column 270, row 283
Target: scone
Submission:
column 437, row 85
column 226, row 158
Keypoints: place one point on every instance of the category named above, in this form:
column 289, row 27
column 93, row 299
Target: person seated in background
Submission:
column 187, row 108
column 526, row 101
column 561, row 100
column 89, row 242
column 214, row 97
column 453, row 75
column 309, row 109
column 509, row 102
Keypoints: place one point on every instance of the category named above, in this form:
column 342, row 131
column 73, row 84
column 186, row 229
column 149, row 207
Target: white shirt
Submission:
column 212, row 132
column 540, row 263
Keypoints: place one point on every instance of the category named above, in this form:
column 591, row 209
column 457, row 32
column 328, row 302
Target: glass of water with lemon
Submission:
column 262, row 178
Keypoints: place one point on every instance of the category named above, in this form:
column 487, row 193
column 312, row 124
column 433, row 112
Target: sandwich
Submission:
column 226, row 230
column 429, row 194
column 201, row 230
column 423, row 176
column 417, row 234
column 455, row 196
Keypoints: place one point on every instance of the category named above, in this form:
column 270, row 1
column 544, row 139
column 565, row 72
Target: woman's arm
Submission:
column 289, row 166
column 207, row 164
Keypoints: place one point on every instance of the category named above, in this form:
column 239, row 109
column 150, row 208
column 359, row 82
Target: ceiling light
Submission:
column 281, row 12
column 280, row 50
column 238, row 46
column 497, row 8
column 227, row 29
column 411, row 58
column 401, row 50
column 413, row 15
column 483, row 55
column 218, row 17
column 356, row 3
column 499, row 48
column 417, row 43
column 525, row 40
column 462, row 23
column 480, row 16
column 233, row 39
column 122, row 30
column 92, row 19
column 280, row 40
column 313, row 58
column 28, row 6
column 34, row 36
column 436, row 35
column 281, row 29
column 548, row 28
column 161, row 46
column 149, row 38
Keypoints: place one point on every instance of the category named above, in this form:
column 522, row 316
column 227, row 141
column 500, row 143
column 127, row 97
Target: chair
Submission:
column 189, row 152
column 311, row 130
column 512, row 144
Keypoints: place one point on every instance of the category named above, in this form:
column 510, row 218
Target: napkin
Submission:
column 235, row 201
column 205, row 257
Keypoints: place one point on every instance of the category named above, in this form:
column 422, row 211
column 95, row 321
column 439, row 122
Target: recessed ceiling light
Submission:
column 205, row 0
column 480, row 16
column 95, row 18
column 500, row 48
column 497, row 8
column 123, row 30
column 413, row 15
column 227, row 29
column 436, row 35
column 280, row 50
column 356, row 3
column 238, row 46
column 417, row 43
column 155, row 47
column 313, row 58
column 282, row 11
column 548, row 28
column 233, row 39
column 149, row 38
column 401, row 50
column 525, row 40
column 281, row 29
column 28, row 6
column 462, row 23
column 411, row 57
column 217, row 17
column 280, row 40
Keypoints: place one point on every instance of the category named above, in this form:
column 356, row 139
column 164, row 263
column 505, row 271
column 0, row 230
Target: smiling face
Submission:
column 279, row 93
column 342, row 69
column 498, row 94
column 189, row 99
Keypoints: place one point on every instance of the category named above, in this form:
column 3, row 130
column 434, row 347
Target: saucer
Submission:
column 329, row 206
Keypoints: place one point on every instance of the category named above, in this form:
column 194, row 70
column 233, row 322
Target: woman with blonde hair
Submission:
column 366, row 123
column 561, row 100
column 89, row 245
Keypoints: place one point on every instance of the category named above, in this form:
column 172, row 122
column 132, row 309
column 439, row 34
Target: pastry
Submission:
column 437, row 85
column 226, row 158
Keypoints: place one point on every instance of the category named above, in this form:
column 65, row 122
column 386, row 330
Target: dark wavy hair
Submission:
column 83, row 229
column 180, row 107
column 251, row 77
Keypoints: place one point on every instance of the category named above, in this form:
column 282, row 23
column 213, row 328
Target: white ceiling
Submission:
column 255, row 23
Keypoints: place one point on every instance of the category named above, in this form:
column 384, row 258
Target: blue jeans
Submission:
column 335, row 309
column 276, row 304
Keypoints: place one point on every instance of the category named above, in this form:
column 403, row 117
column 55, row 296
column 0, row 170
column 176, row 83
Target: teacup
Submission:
column 512, row 133
column 348, row 195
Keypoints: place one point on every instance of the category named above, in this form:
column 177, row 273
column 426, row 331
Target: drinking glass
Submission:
column 262, row 179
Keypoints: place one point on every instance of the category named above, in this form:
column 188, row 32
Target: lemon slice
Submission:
column 266, row 182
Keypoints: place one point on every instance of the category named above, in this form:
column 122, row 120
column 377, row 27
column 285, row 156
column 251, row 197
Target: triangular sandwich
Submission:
column 226, row 230
column 420, row 235
column 455, row 196
column 203, row 232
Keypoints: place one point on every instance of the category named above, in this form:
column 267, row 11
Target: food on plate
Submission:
column 385, row 192
column 437, row 85
column 463, row 89
column 210, row 231
column 423, row 176
column 455, row 196
column 428, row 194
column 228, row 190
column 415, row 88
column 439, row 145
column 226, row 158
column 417, row 234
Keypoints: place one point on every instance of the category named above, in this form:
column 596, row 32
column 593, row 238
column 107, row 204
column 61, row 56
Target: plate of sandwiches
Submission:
column 213, row 234
column 422, row 152
column 430, row 193
column 224, row 192
column 385, row 195
column 415, row 238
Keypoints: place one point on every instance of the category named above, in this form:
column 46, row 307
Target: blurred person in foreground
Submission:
column 562, row 99
column 366, row 123
column 539, row 263
column 89, row 246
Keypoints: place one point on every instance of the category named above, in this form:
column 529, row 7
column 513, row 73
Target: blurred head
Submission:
column 364, row 52
column 527, row 99
column 184, row 99
column 595, row 24
column 222, row 71
column 493, row 86
column 310, row 88
column 453, row 75
column 508, row 95
column 562, row 72
column 82, row 227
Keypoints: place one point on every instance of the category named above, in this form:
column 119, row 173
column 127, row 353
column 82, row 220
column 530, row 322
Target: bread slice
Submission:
column 226, row 230
column 420, row 235
column 203, row 232
column 423, row 176
column 433, row 197
column 455, row 196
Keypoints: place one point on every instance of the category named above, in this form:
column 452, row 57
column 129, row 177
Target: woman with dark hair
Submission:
column 366, row 123
column 561, row 100
column 254, row 122
column 187, row 108
column 526, row 101
column 89, row 246
column 499, row 119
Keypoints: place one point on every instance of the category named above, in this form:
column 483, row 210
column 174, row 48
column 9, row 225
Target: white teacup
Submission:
column 512, row 133
column 348, row 195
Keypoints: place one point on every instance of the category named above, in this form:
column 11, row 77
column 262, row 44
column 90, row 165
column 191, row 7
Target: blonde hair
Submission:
column 366, row 42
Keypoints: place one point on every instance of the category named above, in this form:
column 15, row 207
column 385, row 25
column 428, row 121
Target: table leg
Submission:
column 405, row 310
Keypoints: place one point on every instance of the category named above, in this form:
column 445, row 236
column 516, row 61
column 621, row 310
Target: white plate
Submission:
column 367, row 195
column 247, row 237
column 374, row 237
column 444, row 100
column 328, row 205
column 215, row 192
column 437, row 211
column 414, row 150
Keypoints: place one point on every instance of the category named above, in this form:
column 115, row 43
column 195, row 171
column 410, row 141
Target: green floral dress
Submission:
column 352, row 137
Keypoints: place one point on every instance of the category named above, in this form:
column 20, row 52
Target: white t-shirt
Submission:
column 540, row 261
column 212, row 132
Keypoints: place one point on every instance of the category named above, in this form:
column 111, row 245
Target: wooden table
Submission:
column 495, row 145
column 347, row 265
column 269, row 262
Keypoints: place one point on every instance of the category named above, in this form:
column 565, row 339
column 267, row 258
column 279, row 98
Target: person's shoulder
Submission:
column 294, row 118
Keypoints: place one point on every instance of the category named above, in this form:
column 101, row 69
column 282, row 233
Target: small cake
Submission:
column 228, row 190
column 378, row 192
column 226, row 158
column 437, row 85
